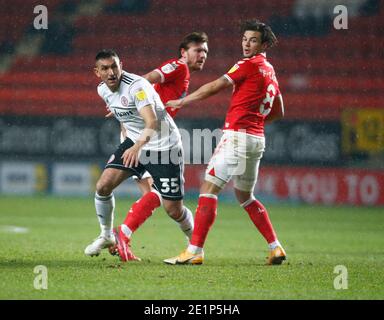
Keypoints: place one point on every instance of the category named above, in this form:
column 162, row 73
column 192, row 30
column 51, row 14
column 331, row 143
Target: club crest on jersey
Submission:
column 124, row 101
column 169, row 67
column 234, row 68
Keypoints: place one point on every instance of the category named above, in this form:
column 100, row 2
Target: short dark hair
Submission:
column 194, row 37
column 267, row 34
column 105, row 54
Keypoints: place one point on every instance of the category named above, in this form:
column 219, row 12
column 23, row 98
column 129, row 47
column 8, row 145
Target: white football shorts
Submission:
column 236, row 156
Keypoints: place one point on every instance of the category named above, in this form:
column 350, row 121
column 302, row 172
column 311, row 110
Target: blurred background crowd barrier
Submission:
column 329, row 149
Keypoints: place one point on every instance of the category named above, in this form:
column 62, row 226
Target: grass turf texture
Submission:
column 316, row 240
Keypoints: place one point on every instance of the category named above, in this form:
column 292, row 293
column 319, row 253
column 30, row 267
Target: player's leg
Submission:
column 206, row 213
column 258, row 214
column 105, row 205
column 204, row 218
column 244, row 185
column 114, row 173
column 216, row 177
column 140, row 211
column 168, row 182
column 260, row 218
column 175, row 209
column 168, row 177
column 145, row 183
column 181, row 215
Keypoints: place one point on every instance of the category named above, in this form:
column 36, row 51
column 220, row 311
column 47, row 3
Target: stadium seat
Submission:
column 318, row 75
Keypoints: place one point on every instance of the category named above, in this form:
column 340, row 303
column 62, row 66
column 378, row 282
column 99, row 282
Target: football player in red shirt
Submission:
column 171, row 81
column 256, row 98
column 171, row 78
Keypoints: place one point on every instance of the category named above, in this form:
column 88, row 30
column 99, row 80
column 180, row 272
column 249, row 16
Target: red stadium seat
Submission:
column 318, row 75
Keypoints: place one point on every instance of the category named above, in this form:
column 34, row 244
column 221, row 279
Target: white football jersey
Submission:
column 134, row 93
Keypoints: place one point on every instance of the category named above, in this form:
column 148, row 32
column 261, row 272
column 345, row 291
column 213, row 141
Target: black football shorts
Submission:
column 165, row 167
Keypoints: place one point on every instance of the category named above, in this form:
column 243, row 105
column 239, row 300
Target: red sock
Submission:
column 260, row 218
column 204, row 218
column 142, row 210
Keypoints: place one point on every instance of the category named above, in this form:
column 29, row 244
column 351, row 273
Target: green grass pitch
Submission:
column 316, row 238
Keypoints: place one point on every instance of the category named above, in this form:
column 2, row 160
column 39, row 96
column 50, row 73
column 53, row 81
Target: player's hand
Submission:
column 131, row 157
column 174, row 103
column 110, row 113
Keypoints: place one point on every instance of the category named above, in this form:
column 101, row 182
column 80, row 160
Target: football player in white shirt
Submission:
column 153, row 144
column 171, row 81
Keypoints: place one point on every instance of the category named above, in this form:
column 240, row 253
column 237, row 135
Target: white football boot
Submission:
column 98, row 244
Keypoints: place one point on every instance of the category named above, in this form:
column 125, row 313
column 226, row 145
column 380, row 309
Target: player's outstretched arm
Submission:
column 207, row 90
column 277, row 111
column 153, row 77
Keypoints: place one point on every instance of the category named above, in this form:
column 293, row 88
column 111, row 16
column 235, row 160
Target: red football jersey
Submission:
column 255, row 86
column 174, row 82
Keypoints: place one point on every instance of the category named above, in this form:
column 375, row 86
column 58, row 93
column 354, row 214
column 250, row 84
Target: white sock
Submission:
column 105, row 206
column 274, row 244
column 125, row 229
column 185, row 222
column 195, row 250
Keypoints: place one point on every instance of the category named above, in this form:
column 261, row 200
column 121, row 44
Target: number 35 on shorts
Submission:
column 170, row 185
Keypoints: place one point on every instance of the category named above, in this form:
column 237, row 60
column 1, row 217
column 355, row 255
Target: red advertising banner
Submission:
column 328, row 186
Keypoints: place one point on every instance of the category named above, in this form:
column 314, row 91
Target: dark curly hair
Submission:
column 267, row 34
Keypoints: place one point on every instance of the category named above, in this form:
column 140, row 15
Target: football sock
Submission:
column 260, row 218
column 185, row 222
column 195, row 250
column 126, row 231
column 204, row 218
column 274, row 244
column 141, row 211
column 105, row 206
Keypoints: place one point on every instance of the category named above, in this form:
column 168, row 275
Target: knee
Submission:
column 103, row 189
column 209, row 187
column 174, row 209
column 242, row 196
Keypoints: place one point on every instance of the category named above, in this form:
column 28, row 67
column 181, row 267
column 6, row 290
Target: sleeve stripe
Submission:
column 127, row 79
column 229, row 79
column 161, row 75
